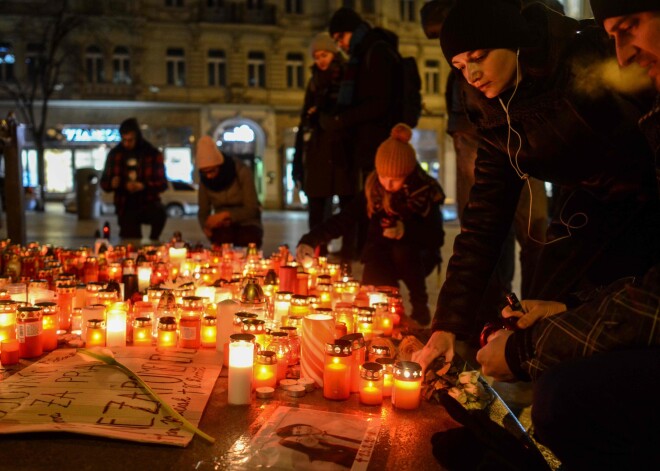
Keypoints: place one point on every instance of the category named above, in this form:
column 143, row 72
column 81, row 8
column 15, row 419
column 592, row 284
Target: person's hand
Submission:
column 115, row 182
column 329, row 122
column 535, row 310
column 394, row 232
column 491, row 356
column 441, row 343
column 305, row 254
column 133, row 187
column 221, row 218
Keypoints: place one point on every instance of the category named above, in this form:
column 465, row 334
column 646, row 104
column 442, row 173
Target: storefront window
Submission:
column 178, row 164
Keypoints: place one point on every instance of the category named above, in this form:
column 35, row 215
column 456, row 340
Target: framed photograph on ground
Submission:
column 308, row 439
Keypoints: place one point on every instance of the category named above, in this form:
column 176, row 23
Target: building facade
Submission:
column 235, row 70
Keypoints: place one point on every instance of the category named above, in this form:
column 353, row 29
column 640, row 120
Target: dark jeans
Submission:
column 132, row 218
column 237, row 235
column 601, row 412
column 397, row 261
column 320, row 209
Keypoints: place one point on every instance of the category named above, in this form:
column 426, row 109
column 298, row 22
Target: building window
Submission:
column 407, row 10
column 216, row 64
column 121, row 65
column 173, row 3
column 294, row 7
column 176, row 67
column 368, row 7
column 94, row 65
column 294, row 70
column 33, row 60
column 432, row 77
column 256, row 69
column 7, row 61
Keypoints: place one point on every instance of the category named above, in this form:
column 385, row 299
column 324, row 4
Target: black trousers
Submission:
column 320, row 209
column 132, row 218
column 237, row 235
column 601, row 412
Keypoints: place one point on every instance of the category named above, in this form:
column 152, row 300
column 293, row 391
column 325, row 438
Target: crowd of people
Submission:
column 588, row 335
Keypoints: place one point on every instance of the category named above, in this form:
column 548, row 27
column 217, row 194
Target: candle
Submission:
column 378, row 351
column 142, row 331
column 388, row 374
column 256, row 327
column 241, row 364
column 281, row 306
column 166, row 331
column 365, row 322
column 358, row 357
column 29, row 330
column 50, row 322
column 407, row 388
column 225, row 326
column 190, row 329
column 371, row 384
column 95, row 311
column 209, row 331
column 294, row 343
column 9, row 352
column 279, row 344
column 144, row 276
column 7, row 319
column 288, row 278
column 177, row 256
column 265, row 369
column 65, row 295
column 337, row 371
column 95, row 333
column 346, row 313
column 116, row 328
column 318, row 330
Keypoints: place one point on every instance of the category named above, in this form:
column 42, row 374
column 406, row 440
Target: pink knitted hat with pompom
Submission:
column 208, row 154
column 395, row 157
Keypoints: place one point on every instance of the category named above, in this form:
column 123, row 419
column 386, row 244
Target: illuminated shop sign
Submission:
column 91, row 134
column 241, row 133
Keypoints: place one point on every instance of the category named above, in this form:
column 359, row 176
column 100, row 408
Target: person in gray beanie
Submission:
column 321, row 165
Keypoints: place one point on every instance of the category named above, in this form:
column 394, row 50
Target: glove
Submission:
column 330, row 122
column 394, row 232
column 304, row 254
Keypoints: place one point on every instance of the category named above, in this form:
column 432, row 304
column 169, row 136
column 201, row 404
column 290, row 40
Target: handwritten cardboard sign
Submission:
column 68, row 392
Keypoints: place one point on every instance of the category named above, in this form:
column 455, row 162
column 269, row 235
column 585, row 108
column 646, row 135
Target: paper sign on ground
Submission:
column 67, row 392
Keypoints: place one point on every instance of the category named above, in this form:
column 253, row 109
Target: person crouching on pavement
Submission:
column 405, row 232
column 229, row 209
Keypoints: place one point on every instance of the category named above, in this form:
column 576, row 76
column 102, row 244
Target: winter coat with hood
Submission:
column 607, row 224
column 321, row 159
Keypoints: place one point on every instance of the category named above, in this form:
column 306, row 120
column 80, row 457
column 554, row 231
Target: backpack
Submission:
column 411, row 83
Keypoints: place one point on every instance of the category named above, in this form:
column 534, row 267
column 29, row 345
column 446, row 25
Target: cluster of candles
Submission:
column 262, row 313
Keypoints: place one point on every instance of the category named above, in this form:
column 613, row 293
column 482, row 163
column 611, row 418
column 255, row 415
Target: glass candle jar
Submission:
column 142, row 328
column 166, row 331
column 209, row 331
column 324, row 293
column 190, row 330
column 279, row 343
column 294, row 343
column 65, row 295
column 95, row 311
column 256, row 327
column 265, row 369
column 7, row 319
column 346, row 313
column 358, row 357
column 337, row 371
column 95, row 333
column 388, row 374
column 365, row 322
column 240, row 317
column 241, row 364
column 371, row 384
column 49, row 322
column 378, row 351
column 115, row 332
column 281, row 306
column 29, row 331
column 407, row 388
column 299, row 305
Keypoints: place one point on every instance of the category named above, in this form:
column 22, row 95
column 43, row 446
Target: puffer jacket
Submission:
column 607, row 224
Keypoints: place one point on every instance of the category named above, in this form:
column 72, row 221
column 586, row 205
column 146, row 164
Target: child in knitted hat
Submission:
column 405, row 230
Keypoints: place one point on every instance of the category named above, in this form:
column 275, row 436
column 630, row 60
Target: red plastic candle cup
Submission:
column 9, row 352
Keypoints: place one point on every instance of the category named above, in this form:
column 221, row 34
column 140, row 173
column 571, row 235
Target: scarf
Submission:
column 223, row 179
column 347, row 88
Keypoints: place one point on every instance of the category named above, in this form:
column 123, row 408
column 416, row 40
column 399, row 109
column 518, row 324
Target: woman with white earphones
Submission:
column 521, row 89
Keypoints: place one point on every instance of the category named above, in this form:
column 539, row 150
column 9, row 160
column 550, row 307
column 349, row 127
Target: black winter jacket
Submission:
column 588, row 144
